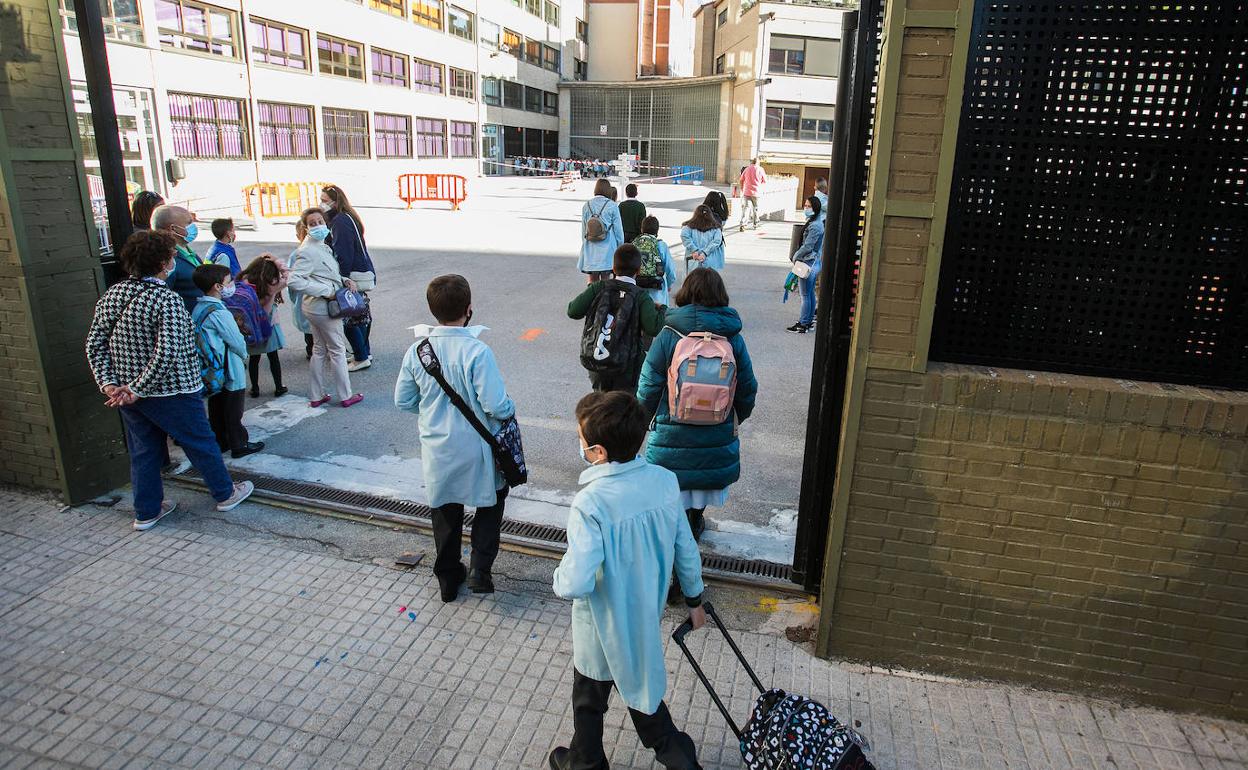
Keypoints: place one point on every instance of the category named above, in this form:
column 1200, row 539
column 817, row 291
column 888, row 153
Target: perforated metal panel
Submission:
column 1099, row 214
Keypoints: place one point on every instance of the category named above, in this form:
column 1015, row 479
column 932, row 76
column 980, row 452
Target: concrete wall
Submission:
column 613, row 40
column 1079, row 532
column 55, row 432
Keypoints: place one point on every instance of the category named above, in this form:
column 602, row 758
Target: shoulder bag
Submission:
column 506, row 444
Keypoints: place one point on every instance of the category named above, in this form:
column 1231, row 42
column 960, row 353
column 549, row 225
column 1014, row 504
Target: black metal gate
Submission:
column 842, row 250
column 1098, row 220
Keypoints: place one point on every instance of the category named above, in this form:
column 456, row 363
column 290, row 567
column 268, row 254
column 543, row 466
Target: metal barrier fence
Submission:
column 280, row 199
column 451, row 188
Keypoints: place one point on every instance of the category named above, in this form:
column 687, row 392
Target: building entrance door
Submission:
column 640, row 148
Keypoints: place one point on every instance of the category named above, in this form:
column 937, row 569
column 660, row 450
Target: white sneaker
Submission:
column 166, row 507
column 355, row 366
column 242, row 491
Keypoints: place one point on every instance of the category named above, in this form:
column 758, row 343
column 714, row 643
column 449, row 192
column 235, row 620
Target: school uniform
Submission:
column 709, row 242
column 627, row 531
column 650, row 322
column 597, row 257
column 459, row 468
column 216, row 323
column 221, row 253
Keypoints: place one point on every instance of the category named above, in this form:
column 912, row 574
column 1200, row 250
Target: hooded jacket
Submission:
column 702, row 456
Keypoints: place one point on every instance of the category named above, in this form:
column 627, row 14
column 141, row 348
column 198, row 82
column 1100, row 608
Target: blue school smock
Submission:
column 663, row 296
column 221, row 331
column 597, row 256
column 626, row 532
column 458, row 464
column 709, row 242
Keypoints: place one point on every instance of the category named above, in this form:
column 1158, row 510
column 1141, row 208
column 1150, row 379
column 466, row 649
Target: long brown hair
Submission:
column 703, row 219
column 603, row 187
column 342, row 205
column 263, row 273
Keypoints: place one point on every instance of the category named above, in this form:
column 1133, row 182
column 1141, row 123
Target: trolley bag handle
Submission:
column 679, row 637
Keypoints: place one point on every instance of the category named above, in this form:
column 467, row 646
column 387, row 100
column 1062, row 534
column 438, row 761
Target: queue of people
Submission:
column 670, row 370
column 586, row 168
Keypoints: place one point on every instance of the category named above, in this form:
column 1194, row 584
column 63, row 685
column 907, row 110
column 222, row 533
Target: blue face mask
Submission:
column 318, row 233
column 810, row 213
column 192, row 232
column 588, row 461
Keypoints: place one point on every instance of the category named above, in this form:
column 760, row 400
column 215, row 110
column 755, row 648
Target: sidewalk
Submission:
column 263, row 638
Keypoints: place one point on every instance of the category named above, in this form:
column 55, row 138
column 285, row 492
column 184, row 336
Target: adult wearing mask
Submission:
column 809, row 253
column 141, row 349
column 296, row 298
column 602, row 232
column 705, row 458
column 703, row 237
column 179, row 224
column 145, row 202
column 751, row 181
column 347, row 241
column 315, row 275
column 821, row 192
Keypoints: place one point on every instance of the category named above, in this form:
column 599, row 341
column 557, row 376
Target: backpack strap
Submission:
column 430, row 363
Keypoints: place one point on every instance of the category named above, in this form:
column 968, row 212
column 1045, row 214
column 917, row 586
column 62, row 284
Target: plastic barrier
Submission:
column 451, row 188
column 688, row 175
column 281, row 199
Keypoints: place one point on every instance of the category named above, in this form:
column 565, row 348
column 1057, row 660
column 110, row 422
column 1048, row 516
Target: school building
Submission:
column 214, row 97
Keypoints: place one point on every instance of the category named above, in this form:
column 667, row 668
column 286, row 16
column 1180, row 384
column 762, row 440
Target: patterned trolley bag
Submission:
column 784, row 732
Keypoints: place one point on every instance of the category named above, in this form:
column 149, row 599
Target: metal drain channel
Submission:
column 525, row 537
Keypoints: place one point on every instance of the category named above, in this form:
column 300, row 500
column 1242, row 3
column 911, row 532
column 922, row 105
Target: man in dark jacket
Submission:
column 649, row 317
column 632, row 214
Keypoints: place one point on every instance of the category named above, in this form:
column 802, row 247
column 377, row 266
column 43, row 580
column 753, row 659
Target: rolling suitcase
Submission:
column 784, row 731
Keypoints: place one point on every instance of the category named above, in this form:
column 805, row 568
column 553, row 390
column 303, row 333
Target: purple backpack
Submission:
column 253, row 322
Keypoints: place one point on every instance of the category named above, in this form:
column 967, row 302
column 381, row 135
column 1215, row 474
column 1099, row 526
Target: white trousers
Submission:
column 327, row 371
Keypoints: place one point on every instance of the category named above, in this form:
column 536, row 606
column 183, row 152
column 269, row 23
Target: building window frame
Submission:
column 461, row 84
column 792, row 61
column 201, row 132
column 550, row 103
column 380, row 59
column 463, row 144
column 339, row 64
column 512, row 43
column 533, row 99
column 492, row 91
column 278, row 126
column 721, row 63
column 207, row 43
column 345, row 133
column 455, row 13
column 390, row 7
column 429, row 13
column 790, row 122
column 581, row 71
column 436, row 84
column 490, row 33
column 552, row 13
column 533, row 51
column 430, row 137
column 582, row 30
column 534, row 7
column 550, row 58
column 115, row 29
column 392, row 135
column 279, row 58
column 513, row 95
column 721, row 18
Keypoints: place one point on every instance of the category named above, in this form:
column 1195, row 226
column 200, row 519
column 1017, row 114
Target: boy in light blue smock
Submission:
column 626, row 532
column 458, row 465
column 217, row 330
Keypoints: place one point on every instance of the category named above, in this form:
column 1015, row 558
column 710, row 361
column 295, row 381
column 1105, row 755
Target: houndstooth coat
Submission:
column 141, row 336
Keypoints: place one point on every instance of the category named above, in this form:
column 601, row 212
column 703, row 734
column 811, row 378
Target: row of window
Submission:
column 429, row 12
column 216, row 128
column 192, row 25
column 799, row 122
column 798, row 56
column 508, row 93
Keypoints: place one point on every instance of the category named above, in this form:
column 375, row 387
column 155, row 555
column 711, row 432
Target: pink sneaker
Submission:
column 319, row 402
column 357, row 398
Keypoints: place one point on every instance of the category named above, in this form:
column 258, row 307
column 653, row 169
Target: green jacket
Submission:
column 649, row 314
column 702, row 456
column 632, row 212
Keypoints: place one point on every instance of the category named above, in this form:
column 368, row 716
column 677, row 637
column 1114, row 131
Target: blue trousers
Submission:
column 807, row 288
column 183, row 417
column 358, row 339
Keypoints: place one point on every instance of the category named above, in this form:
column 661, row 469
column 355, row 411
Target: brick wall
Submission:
column 1078, row 532
column 54, row 430
column 1070, row 530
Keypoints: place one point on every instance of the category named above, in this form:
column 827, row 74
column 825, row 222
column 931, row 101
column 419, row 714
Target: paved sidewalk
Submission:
column 179, row 648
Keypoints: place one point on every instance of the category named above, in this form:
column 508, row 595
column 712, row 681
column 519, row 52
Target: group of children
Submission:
column 533, row 166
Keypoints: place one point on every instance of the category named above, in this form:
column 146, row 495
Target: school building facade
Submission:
column 355, row 92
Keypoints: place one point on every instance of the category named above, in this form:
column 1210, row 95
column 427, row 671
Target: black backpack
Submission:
column 611, row 342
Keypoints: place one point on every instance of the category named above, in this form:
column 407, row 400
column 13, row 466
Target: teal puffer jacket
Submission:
column 701, row 456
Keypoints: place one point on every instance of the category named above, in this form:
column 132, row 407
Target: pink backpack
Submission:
column 701, row 380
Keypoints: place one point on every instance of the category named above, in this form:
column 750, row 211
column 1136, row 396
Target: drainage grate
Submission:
column 542, row 538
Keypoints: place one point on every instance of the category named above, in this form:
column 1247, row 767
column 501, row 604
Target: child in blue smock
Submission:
column 458, row 465
column 626, row 532
column 217, row 330
column 703, row 237
column 650, row 230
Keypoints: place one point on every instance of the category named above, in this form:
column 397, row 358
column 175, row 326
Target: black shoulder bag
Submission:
column 506, row 445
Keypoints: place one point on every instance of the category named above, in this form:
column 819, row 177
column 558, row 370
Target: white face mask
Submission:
column 228, row 291
column 327, row 207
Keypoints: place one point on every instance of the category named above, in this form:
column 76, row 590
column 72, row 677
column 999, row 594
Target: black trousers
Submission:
column 225, row 415
column 275, row 369
column 448, row 536
column 606, row 382
column 672, row 748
